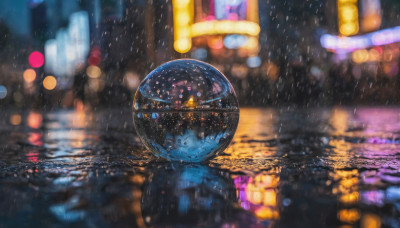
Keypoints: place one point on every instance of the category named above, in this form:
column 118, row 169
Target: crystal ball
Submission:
column 185, row 110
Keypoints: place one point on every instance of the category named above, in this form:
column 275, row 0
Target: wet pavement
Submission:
column 316, row 167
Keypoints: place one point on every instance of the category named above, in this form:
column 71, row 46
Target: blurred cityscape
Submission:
column 59, row 53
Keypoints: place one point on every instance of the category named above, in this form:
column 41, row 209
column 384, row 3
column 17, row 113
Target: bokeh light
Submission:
column 50, row 82
column 183, row 16
column 29, row 75
column 225, row 27
column 93, row 71
column 132, row 80
column 182, row 45
column 36, row 59
column 15, row 119
column 253, row 62
column 35, row 120
column 360, row 56
column 348, row 17
column 95, row 56
column 3, row 91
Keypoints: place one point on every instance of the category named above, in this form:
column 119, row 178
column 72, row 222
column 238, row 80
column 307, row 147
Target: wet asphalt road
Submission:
column 316, row 167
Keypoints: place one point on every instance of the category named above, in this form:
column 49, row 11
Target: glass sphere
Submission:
column 185, row 110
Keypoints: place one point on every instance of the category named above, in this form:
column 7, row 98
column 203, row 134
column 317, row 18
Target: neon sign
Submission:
column 347, row 17
column 348, row 44
column 223, row 18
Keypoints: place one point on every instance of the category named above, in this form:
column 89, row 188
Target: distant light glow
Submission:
column 95, row 56
column 370, row 221
column 253, row 62
column 36, row 59
column 132, row 80
column 49, row 82
column 183, row 45
column 272, row 71
column 348, row 44
column 3, row 92
column 371, row 17
column 29, row 75
column 182, row 16
column 34, row 120
column 50, row 51
column 360, row 56
column 200, row 54
column 349, row 215
column 230, row 10
column 34, row 3
column 15, row 119
column 94, row 60
column 215, row 42
column 93, row 71
column 251, row 44
column 225, row 27
column 239, row 71
column 234, row 41
column 347, row 17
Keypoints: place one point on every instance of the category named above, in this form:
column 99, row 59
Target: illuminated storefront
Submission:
column 216, row 24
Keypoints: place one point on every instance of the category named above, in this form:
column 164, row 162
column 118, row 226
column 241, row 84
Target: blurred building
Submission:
column 365, row 49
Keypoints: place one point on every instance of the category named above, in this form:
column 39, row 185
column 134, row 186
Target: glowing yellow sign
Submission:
column 348, row 17
column 183, row 16
column 225, row 27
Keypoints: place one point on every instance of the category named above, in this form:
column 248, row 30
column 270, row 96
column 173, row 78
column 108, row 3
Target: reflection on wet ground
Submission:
column 336, row 167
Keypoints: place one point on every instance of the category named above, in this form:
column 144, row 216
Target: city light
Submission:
column 49, row 82
column 50, row 51
column 225, row 27
column 15, row 119
column 29, row 75
column 348, row 17
column 371, row 17
column 3, row 92
column 93, row 71
column 131, row 80
column 360, row 56
column 253, row 62
column 95, row 56
column 183, row 45
column 36, row 59
column 349, row 215
column 348, row 44
column 234, row 41
column 183, row 16
column 34, row 120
